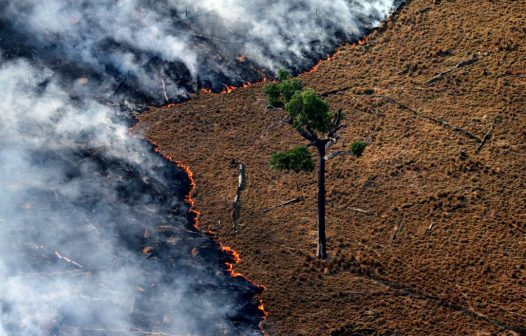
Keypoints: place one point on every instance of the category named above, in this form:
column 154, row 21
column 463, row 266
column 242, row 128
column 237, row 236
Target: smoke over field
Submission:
column 96, row 238
column 164, row 49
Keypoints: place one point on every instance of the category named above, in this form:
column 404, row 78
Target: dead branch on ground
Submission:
column 164, row 90
column 363, row 211
column 459, row 65
column 68, row 260
column 487, row 136
column 236, row 205
column 291, row 201
column 437, row 121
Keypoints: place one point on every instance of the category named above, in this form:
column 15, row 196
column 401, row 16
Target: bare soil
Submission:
column 427, row 230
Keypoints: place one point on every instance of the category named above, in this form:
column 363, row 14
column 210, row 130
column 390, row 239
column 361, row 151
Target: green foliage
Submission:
column 297, row 159
column 273, row 93
column 289, row 87
column 308, row 110
column 358, row 147
column 280, row 93
column 283, row 74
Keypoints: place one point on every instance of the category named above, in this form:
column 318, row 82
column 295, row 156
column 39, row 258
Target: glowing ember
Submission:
column 228, row 89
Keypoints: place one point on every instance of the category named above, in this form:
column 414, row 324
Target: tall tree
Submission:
column 313, row 119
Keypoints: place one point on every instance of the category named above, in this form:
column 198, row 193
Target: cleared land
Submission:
column 426, row 231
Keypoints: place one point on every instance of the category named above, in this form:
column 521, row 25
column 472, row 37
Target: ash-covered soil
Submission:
column 426, row 231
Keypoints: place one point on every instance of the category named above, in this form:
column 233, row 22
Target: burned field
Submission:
column 426, row 230
column 115, row 250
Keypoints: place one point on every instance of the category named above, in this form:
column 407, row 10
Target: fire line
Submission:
column 233, row 255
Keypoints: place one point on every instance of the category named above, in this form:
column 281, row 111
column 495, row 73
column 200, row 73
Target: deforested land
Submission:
column 427, row 230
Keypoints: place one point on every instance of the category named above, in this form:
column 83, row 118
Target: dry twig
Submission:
column 291, row 201
column 487, row 136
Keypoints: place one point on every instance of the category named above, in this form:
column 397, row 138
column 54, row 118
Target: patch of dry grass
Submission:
column 444, row 220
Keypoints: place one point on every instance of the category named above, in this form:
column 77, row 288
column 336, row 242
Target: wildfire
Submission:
column 228, row 89
column 328, row 58
column 235, row 258
column 366, row 39
column 232, row 254
column 261, row 307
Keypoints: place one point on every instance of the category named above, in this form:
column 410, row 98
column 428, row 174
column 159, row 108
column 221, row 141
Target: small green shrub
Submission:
column 297, row 159
column 358, row 147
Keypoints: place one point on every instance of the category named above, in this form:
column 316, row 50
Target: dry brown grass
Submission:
column 413, row 175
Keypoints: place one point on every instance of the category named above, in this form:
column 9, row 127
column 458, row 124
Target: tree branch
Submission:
column 307, row 135
column 291, row 201
column 330, row 143
column 338, row 153
column 433, row 120
column 487, row 136
column 336, row 124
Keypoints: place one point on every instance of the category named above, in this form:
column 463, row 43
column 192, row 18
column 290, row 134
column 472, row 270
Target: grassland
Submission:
column 427, row 230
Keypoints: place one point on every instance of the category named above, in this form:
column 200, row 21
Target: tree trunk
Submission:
column 321, row 251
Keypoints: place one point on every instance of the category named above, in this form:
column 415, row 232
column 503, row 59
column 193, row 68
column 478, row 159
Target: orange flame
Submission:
column 232, row 254
column 228, row 89
column 328, row 58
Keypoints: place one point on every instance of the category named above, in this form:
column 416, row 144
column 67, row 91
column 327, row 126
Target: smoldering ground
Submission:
column 95, row 235
column 80, row 201
column 165, row 49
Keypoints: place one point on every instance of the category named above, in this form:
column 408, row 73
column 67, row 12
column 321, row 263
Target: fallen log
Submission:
column 363, row 211
column 439, row 122
column 68, row 260
column 348, row 293
column 165, row 92
column 459, row 65
column 236, row 205
column 397, row 230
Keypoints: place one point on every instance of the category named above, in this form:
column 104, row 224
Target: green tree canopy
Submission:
column 311, row 116
column 297, row 159
column 309, row 111
column 280, row 93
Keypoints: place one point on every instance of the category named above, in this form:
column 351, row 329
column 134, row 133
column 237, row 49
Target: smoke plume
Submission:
column 167, row 48
column 79, row 200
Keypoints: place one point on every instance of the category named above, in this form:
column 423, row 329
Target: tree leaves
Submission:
column 297, row 159
column 309, row 111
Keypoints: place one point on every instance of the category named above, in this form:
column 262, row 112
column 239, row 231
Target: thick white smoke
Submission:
column 132, row 41
column 65, row 268
column 80, row 198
